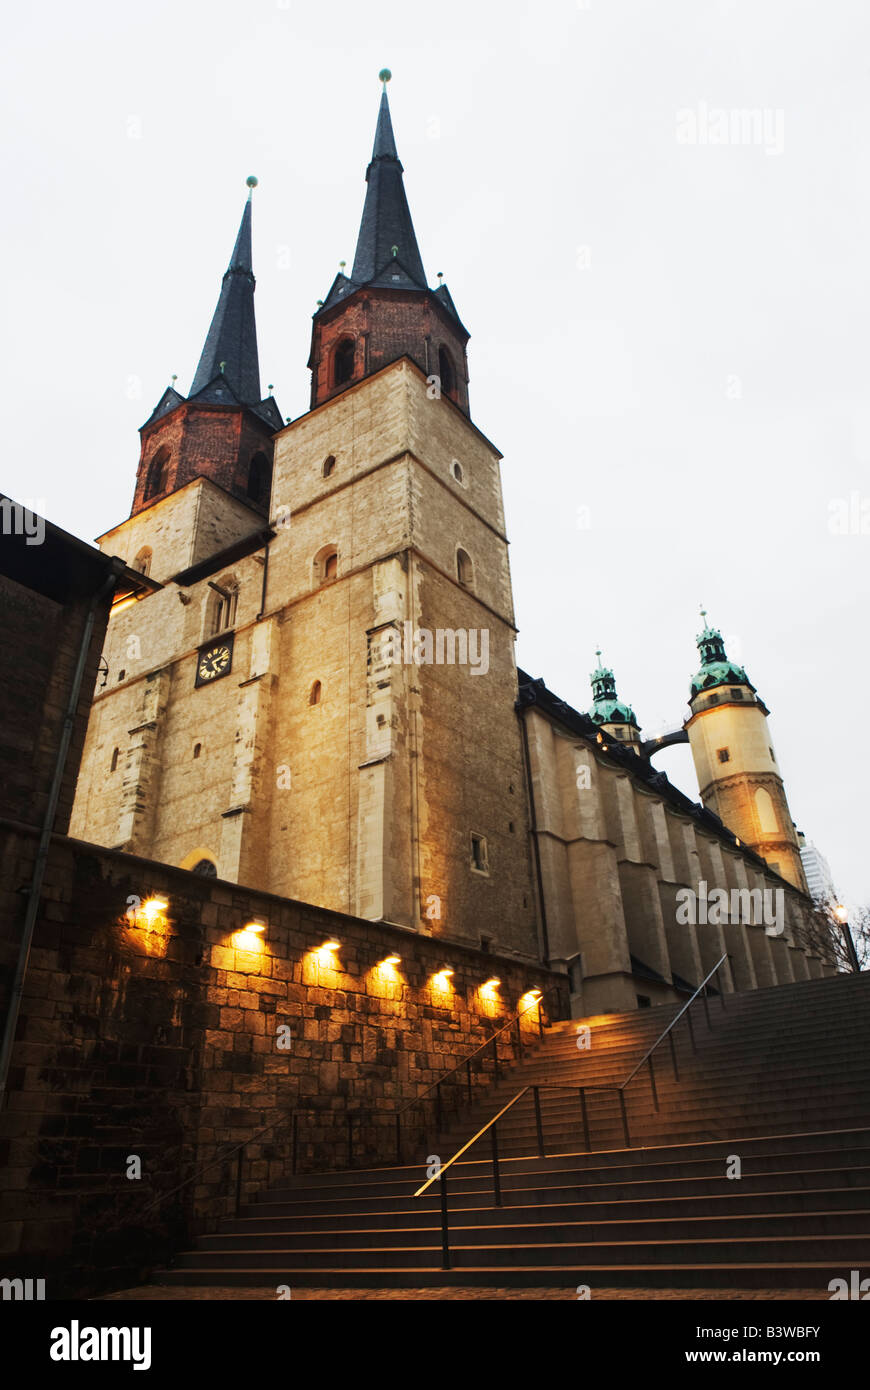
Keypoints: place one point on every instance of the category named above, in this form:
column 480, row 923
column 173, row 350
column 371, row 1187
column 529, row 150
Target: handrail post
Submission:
column 538, row 1125
column 583, row 1112
column 624, row 1117
column 721, row 989
column 706, row 1008
column 445, row 1238
column 674, row 1055
column 652, row 1082
column 540, row 1018
column 691, row 1027
column 239, row 1180
column 496, row 1181
column 295, row 1140
column 495, row 1054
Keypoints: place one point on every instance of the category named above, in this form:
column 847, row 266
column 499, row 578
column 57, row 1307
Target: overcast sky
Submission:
column 667, row 296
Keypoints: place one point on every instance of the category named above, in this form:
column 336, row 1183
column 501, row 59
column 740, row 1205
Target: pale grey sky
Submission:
column 671, row 335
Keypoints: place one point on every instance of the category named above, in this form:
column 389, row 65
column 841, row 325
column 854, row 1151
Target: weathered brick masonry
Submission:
column 163, row 1043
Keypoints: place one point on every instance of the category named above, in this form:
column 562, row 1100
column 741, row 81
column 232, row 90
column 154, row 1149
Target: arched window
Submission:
column 328, row 466
column 325, row 565
column 766, row 813
column 222, row 604
column 316, row 692
column 457, row 470
column 206, row 868
column 446, row 372
column 259, row 479
column 343, row 361
column 142, row 563
column 115, row 756
column 158, row 472
column 464, row 569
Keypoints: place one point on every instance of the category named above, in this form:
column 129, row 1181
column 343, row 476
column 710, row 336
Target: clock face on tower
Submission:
column 215, row 659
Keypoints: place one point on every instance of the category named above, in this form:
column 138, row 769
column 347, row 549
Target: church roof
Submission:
column 229, row 371
column 386, row 232
column 607, row 708
column 716, row 669
column 387, row 255
column 231, row 344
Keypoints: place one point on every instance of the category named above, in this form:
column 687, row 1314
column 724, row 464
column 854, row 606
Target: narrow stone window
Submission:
column 446, row 373
column 736, row 694
column 122, row 675
column 205, row 869
column 457, row 470
column 316, row 692
column 222, row 605
column 142, row 563
column 464, row 569
column 197, row 749
column 343, row 361
column 158, row 473
column 479, row 860
column 330, row 568
column 115, row 756
column 329, row 466
column 713, row 700
column 723, row 754
column 259, row 479
column 325, row 567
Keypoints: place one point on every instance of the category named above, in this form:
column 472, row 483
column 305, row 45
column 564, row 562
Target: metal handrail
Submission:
column 497, row 1034
column 702, row 986
column 492, row 1124
column 352, row 1116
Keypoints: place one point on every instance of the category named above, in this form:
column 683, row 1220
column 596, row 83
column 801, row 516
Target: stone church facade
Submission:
column 320, row 700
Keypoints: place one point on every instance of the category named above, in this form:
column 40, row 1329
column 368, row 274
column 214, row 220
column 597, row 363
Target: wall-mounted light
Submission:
column 325, row 956
column 256, row 924
column 153, row 909
column 441, row 979
column 392, row 960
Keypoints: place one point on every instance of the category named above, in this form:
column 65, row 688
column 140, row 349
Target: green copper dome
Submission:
column 716, row 669
column 607, row 707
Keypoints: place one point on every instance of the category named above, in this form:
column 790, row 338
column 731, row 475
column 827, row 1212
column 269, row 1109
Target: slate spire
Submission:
column 386, row 233
column 232, row 337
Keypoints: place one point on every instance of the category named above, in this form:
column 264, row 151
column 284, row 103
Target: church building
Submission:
column 317, row 695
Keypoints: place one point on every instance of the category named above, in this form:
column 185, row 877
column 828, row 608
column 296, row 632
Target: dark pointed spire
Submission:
column 231, row 345
column 386, row 251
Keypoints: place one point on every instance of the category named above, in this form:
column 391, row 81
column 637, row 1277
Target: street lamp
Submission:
column 842, row 915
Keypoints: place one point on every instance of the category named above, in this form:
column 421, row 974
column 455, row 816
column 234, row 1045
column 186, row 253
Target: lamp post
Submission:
column 842, row 915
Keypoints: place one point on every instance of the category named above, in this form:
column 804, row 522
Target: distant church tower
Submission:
column 736, row 766
column 612, row 714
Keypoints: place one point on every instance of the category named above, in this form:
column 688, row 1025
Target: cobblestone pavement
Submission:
column 163, row 1292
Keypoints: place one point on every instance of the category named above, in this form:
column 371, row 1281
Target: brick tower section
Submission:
column 383, row 326
column 204, row 441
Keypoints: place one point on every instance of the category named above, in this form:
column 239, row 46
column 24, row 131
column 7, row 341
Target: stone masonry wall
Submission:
column 161, row 1041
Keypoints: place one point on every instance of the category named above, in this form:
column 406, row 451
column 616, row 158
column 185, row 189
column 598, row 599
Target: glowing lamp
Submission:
column 153, row 908
column 256, row 924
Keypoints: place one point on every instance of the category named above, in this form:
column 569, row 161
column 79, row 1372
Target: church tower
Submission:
column 615, row 718
column 223, row 430
column 320, row 699
column 385, row 309
column 738, row 774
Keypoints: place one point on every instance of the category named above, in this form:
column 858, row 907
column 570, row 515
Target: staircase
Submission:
column 780, row 1081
